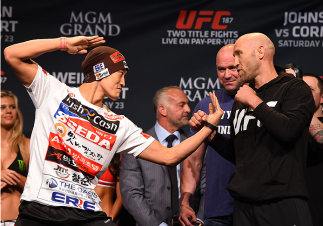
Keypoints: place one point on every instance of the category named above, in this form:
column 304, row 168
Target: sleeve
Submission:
column 43, row 87
column 224, row 145
column 133, row 192
column 135, row 140
column 297, row 111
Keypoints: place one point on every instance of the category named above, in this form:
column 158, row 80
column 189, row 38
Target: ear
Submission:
column 261, row 52
column 162, row 110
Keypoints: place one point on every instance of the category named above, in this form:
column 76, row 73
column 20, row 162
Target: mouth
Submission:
column 229, row 82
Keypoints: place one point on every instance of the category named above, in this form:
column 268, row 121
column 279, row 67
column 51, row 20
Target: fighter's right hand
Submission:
column 78, row 44
column 198, row 119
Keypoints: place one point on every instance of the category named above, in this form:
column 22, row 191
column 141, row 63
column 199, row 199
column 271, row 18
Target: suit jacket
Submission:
column 146, row 189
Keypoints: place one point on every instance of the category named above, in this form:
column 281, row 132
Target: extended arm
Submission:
column 172, row 156
column 19, row 56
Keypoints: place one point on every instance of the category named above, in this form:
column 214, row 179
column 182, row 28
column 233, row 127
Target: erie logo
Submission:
column 204, row 16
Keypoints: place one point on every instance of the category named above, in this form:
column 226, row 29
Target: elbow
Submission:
column 293, row 135
column 8, row 55
column 290, row 138
column 170, row 158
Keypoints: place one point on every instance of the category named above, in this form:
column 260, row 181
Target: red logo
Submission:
column 116, row 57
column 45, row 72
column 71, row 94
column 145, row 135
column 2, row 73
column 203, row 17
column 113, row 117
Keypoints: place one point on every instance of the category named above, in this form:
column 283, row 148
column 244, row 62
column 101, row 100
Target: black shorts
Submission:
column 285, row 212
column 35, row 214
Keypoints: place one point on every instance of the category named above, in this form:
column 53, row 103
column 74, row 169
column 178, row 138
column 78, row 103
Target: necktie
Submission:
column 173, row 178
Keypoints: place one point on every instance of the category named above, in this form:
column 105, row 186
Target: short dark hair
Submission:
column 319, row 80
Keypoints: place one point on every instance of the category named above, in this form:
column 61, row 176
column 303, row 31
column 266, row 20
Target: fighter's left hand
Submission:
column 247, row 96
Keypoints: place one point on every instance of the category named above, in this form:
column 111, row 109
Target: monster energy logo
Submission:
column 22, row 165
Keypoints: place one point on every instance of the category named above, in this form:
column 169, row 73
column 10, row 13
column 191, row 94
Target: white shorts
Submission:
column 8, row 223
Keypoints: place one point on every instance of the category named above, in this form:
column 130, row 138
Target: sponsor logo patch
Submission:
column 116, row 57
column 52, row 183
column 72, row 201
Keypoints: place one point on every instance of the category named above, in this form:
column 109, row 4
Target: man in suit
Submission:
column 146, row 187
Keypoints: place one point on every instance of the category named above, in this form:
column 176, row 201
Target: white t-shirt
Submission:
column 72, row 144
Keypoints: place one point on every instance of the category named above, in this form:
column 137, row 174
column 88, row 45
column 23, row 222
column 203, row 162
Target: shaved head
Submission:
column 255, row 40
column 254, row 58
column 227, row 49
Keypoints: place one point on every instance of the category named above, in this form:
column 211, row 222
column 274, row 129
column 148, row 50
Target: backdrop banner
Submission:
column 164, row 42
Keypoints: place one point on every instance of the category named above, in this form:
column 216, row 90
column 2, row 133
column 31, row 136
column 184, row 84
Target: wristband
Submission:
column 212, row 127
column 63, row 43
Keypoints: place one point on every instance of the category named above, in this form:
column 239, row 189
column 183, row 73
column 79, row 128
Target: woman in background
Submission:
column 108, row 189
column 14, row 158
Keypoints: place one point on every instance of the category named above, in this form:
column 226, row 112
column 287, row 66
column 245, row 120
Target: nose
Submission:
column 8, row 109
column 236, row 61
column 227, row 73
column 187, row 108
column 123, row 81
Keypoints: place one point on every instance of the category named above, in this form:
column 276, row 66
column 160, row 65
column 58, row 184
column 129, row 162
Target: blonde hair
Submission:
column 17, row 137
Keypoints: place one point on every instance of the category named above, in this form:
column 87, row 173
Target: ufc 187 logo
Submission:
column 216, row 18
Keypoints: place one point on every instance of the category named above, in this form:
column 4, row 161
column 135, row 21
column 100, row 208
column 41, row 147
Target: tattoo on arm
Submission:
column 315, row 127
column 319, row 137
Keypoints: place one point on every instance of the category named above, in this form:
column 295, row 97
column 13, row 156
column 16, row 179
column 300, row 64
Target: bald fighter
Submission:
column 269, row 122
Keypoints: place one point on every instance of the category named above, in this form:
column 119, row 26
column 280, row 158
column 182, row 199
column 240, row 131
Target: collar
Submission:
column 162, row 134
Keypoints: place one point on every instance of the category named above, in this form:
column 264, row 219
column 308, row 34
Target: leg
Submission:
column 292, row 211
column 243, row 214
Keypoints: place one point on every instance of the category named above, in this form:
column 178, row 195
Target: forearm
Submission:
column 117, row 205
column 190, row 175
column 31, row 49
column 179, row 152
column 22, row 182
column 159, row 154
column 224, row 146
column 291, row 124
